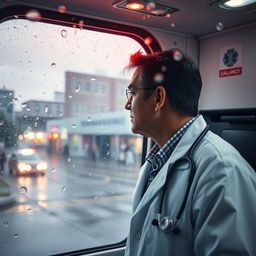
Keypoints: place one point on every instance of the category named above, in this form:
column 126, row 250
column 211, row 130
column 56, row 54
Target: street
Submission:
column 77, row 204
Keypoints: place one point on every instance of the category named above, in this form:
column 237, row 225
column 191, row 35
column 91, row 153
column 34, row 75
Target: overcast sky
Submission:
column 34, row 57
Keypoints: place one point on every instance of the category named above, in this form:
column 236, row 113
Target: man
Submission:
column 179, row 210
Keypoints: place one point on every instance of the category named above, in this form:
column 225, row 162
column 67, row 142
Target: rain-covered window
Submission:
column 68, row 159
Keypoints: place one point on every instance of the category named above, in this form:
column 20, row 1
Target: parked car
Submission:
column 26, row 161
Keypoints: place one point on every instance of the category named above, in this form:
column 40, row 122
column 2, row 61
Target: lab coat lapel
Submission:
column 189, row 137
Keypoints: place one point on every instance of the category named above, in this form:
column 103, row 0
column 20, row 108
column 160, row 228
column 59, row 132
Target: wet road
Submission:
column 76, row 205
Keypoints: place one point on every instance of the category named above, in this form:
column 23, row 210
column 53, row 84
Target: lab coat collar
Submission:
column 183, row 146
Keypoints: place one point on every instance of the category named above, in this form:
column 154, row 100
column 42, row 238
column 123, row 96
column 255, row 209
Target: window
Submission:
column 88, row 182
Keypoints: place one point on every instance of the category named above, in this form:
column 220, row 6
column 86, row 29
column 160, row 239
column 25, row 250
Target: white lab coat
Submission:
column 220, row 215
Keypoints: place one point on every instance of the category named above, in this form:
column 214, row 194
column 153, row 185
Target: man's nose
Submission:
column 127, row 105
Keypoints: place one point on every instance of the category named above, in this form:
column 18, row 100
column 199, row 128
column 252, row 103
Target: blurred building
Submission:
column 35, row 113
column 87, row 94
column 6, row 103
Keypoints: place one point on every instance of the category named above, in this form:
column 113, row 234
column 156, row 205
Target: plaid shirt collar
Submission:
column 157, row 157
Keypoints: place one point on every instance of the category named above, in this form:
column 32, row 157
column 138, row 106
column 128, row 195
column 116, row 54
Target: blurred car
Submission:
column 26, row 161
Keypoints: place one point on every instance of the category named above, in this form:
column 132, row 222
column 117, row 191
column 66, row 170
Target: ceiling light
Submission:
column 134, row 5
column 232, row 4
column 238, row 3
column 146, row 7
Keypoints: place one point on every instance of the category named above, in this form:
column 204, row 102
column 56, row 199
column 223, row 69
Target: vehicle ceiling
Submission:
column 195, row 17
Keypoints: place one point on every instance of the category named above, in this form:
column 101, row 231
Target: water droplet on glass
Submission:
column 33, row 15
column 1, row 122
column 46, row 109
column 158, row 78
column 77, row 89
column 23, row 105
column 148, row 40
column 177, row 55
column 150, row 6
column 25, row 116
column 62, row 8
column 108, row 153
column 64, row 33
column 16, row 16
column 173, row 25
column 6, row 224
column 15, row 100
column 16, row 236
column 69, row 159
column 73, row 125
column 73, row 165
column 69, row 220
column 29, row 210
column 219, row 26
column 96, row 197
column 23, row 190
column 93, row 79
column 167, row 15
column 53, row 170
column 28, row 108
column 163, row 68
column 53, row 65
column 89, row 174
column 89, row 119
column 63, row 188
column 81, row 24
column 70, row 96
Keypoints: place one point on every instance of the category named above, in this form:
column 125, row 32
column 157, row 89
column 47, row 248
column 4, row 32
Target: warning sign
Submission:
column 230, row 61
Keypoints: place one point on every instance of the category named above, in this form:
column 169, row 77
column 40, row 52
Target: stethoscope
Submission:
column 167, row 223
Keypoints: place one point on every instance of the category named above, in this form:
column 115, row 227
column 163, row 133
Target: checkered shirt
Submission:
column 157, row 157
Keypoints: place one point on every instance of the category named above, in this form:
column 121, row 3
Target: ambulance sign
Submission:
column 230, row 61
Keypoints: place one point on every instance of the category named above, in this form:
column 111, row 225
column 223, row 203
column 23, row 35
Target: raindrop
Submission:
column 89, row 174
column 63, row 188
column 16, row 236
column 23, row 105
column 96, row 197
column 173, row 25
column 167, row 15
column 77, row 89
column 62, row 8
column 53, row 65
column 89, row 119
column 23, row 190
column 61, row 114
column 33, row 15
column 29, row 210
column 148, row 40
column 69, row 159
column 150, row 6
column 1, row 122
column 15, row 100
column 53, row 170
column 46, row 109
column 108, row 153
column 73, row 165
column 74, row 126
column 69, row 220
column 16, row 16
column 81, row 24
column 64, row 33
column 25, row 116
column 177, row 55
column 158, row 78
column 6, row 224
column 70, row 96
column 28, row 108
column 219, row 26
column 93, row 79
column 163, row 68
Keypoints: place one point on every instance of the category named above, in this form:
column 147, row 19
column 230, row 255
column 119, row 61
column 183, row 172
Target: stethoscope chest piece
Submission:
column 168, row 224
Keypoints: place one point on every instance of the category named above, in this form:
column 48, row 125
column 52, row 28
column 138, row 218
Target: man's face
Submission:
column 141, row 109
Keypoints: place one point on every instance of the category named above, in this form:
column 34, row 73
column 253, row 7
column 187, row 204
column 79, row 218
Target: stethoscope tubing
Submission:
column 188, row 158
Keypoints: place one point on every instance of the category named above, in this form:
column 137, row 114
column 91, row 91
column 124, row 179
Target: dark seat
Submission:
column 238, row 127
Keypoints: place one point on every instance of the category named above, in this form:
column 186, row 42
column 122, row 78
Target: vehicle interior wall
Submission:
column 189, row 44
column 237, row 91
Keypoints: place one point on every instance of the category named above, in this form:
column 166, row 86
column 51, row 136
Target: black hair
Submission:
column 176, row 72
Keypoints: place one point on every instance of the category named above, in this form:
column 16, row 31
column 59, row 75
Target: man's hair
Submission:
column 176, row 72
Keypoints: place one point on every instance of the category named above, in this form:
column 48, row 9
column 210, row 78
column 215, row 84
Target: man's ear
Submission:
column 160, row 97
